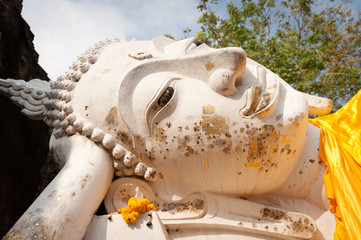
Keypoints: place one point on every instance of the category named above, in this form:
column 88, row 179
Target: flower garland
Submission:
column 135, row 208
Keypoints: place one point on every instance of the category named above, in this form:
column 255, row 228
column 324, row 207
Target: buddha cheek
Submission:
column 188, row 147
column 209, row 147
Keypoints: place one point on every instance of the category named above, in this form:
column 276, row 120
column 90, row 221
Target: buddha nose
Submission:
column 229, row 71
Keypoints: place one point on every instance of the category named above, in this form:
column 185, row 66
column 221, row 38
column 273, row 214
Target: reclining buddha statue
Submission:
column 219, row 144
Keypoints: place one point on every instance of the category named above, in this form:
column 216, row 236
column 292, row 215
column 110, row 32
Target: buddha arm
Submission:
column 65, row 208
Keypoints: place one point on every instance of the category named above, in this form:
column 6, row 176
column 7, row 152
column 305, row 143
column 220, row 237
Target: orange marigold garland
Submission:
column 135, row 208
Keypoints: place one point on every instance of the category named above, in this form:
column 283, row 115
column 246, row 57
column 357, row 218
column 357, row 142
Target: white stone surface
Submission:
column 218, row 142
column 66, row 207
column 115, row 228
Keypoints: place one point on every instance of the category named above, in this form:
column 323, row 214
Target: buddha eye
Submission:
column 192, row 45
column 197, row 42
column 162, row 103
column 166, row 96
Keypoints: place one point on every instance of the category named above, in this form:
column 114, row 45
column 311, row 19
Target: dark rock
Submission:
column 23, row 142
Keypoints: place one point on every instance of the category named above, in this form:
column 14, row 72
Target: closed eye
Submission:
column 197, row 42
column 193, row 45
column 160, row 102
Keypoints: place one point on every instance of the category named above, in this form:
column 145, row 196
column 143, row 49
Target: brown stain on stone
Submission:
column 183, row 142
column 214, row 125
column 196, row 128
column 226, row 150
column 208, row 109
column 278, row 117
column 110, row 118
column 209, row 66
column 302, row 225
column 262, row 141
column 52, row 194
column 139, row 140
column 239, row 146
column 273, row 213
column 190, row 151
column 160, row 135
column 84, row 181
column 124, row 138
column 196, row 205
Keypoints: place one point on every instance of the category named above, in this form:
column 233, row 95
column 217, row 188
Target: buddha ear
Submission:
column 29, row 96
column 318, row 105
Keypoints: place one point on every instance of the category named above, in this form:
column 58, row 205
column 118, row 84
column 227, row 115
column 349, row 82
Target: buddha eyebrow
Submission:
column 197, row 42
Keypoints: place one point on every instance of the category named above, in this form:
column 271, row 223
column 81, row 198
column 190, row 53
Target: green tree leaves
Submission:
column 314, row 48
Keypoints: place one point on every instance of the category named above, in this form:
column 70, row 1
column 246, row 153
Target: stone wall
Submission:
column 23, row 142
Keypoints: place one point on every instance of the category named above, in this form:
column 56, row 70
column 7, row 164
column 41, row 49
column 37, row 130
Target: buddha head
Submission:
column 183, row 115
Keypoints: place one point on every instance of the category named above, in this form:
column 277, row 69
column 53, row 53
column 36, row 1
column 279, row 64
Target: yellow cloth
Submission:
column 340, row 150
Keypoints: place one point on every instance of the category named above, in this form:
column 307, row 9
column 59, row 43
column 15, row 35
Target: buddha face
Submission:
column 207, row 119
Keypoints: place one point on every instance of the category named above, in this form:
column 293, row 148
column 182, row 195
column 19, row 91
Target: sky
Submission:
column 64, row 29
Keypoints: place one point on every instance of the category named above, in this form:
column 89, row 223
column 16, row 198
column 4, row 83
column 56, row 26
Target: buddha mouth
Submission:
column 264, row 94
